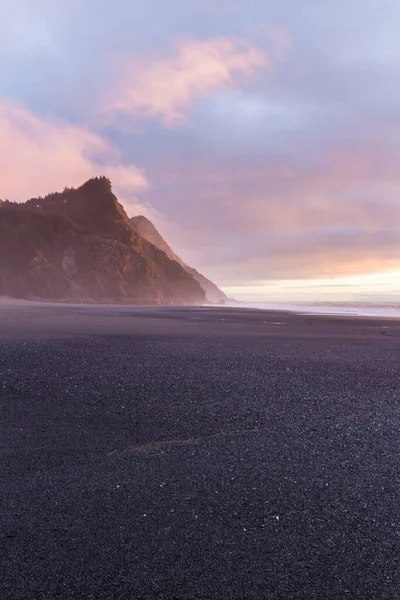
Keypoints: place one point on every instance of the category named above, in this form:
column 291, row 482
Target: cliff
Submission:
column 79, row 245
column 148, row 231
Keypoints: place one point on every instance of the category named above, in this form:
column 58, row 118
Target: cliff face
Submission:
column 150, row 233
column 79, row 245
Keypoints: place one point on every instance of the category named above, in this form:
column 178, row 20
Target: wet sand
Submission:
column 171, row 453
column 26, row 320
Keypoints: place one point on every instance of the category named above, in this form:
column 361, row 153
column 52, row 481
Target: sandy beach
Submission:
column 197, row 453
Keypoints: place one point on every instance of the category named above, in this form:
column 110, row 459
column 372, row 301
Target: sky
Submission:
column 262, row 138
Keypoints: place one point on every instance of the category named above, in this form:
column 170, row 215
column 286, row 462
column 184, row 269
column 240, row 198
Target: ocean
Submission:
column 356, row 309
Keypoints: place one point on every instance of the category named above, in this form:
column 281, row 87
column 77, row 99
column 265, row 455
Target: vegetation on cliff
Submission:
column 79, row 244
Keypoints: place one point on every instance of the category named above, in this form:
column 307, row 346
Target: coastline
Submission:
column 40, row 320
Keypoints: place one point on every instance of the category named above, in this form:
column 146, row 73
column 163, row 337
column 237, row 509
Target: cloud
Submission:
column 39, row 156
column 332, row 212
column 280, row 37
column 164, row 88
column 290, row 175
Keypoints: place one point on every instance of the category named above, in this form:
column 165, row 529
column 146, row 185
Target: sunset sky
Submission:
column 262, row 137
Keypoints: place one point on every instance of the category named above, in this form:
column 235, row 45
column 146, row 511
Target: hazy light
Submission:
column 373, row 287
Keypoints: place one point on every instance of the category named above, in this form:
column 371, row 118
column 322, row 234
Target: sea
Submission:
column 355, row 309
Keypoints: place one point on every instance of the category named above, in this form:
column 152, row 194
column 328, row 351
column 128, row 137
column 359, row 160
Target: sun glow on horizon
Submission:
column 374, row 287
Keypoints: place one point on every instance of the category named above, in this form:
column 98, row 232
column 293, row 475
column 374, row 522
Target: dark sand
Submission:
column 198, row 454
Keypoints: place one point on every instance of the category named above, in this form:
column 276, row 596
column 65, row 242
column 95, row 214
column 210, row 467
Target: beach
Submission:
column 198, row 453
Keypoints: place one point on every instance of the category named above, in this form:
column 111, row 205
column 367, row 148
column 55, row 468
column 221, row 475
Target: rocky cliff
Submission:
column 79, row 245
column 151, row 234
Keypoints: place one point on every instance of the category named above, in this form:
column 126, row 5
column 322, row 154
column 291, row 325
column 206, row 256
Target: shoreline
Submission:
column 328, row 309
column 38, row 320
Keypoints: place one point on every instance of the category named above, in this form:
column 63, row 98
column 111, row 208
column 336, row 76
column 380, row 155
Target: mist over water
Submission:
column 384, row 310
column 360, row 309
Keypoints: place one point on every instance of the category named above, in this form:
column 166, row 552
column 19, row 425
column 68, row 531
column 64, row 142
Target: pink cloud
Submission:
column 280, row 37
column 331, row 213
column 346, row 185
column 39, row 156
column 164, row 88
